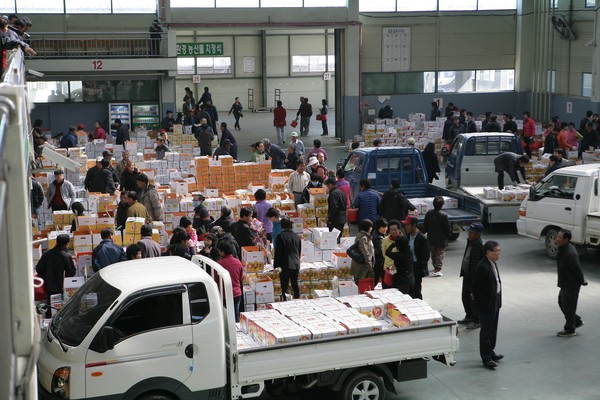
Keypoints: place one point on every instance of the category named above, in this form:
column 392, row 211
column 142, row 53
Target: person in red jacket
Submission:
column 236, row 272
column 528, row 131
column 279, row 115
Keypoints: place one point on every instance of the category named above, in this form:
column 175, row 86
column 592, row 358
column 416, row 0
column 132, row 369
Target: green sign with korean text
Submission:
column 199, row 49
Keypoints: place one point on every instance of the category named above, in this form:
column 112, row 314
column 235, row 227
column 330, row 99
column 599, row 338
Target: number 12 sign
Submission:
column 97, row 65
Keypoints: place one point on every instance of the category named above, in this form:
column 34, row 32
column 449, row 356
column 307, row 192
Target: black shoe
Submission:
column 564, row 333
column 324, row 134
column 579, row 323
column 465, row 321
column 474, row 325
column 497, row 357
column 489, row 364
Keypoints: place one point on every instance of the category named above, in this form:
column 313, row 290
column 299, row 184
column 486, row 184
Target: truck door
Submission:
column 209, row 368
column 554, row 202
column 353, row 170
column 477, row 163
column 152, row 332
column 452, row 164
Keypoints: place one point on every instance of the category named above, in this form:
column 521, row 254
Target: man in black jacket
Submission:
column 570, row 280
column 510, row 163
column 54, row 266
column 420, row 254
column 336, row 212
column 122, row 133
column 204, row 135
column 287, row 257
column 89, row 175
column 510, row 126
column 225, row 221
column 487, row 290
column 37, row 199
column 394, row 205
column 102, row 181
column 437, row 227
column 241, row 230
column 590, row 139
column 473, row 254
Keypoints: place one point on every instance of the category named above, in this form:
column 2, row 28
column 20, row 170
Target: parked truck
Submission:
column 470, row 168
column 382, row 164
column 568, row 198
column 164, row 329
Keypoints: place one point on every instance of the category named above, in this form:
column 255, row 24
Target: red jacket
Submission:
column 529, row 127
column 236, row 272
column 279, row 114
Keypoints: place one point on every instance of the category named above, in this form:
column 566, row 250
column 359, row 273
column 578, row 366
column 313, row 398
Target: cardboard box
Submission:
column 325, row 240
column 71, row 285
column 318, row 197
column 344, row 288
column 134, row 225
column 253, row 259
column 82, row 241
column 264, row 289
column 249, row 295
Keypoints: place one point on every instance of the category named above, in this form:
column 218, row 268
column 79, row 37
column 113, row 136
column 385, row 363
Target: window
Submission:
column 279, row 3
column 192, row 3
column 379, row 5
column 323, row 3
column 48, row 92
column 40, row 7
column 237, row 3
column 497, row 4
column 199, row 306
column 586, row 84
column 551, row 81
column 354, row 163
column 495, row 80
column 306, row 64
column 149, row 313
column 134, row 7
column 456, row 81
column 81, row 7
column 457, row 5
column 7, row 6
column 560, row 186
column 76, row 91
column 213, row 65
column 422, row 5
column 185, row 66
column 590, row 3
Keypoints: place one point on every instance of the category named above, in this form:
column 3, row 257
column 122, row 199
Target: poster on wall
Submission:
column 249, row 65
column 120, row 111
column 146, row 115
column 396, row 49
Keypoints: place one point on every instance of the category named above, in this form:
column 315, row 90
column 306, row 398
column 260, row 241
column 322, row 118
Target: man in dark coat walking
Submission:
column 288, row 248
column 473, row 254
column 570, row 280
column 102, row 181
column 122, row 133
column 336, row 211
column 420, row 254
column 437, row 227
column 204, row 135
column 487, row 290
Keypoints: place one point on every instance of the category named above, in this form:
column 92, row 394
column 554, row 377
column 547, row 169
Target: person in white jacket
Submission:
column 61, row 192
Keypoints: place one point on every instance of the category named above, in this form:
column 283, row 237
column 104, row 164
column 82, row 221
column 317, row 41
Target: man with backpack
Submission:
column 394, row 205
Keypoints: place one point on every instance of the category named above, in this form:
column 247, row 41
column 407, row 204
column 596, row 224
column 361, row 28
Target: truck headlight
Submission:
column 60, row 382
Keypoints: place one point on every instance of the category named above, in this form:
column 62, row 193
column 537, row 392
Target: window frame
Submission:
column 583, row 88
column 329, row 65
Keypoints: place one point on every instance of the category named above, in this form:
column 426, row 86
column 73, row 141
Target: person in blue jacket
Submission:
column 367, row 202
column 69, row 139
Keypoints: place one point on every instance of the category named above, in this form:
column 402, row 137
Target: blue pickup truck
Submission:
column 382, row 164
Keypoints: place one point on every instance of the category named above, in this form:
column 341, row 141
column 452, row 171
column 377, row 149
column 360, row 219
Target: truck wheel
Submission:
column 363, row 385
column 154, row 396
column 455, row 233
column 552, row 243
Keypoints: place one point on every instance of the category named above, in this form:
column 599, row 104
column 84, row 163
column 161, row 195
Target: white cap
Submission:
column 294, row 134
column 98, row 159
column 312, row 161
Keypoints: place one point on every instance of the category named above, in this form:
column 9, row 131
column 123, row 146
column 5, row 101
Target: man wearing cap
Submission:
column 299, row 145
column 168, row 122
column 89, row 175
column 420, row 254
column 394, row 205
column 297, row 181
column 61, row 192
column 311, row 166
column 473, row 254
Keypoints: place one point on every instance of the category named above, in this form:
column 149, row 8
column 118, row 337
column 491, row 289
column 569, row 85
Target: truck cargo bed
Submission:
column 493, row 210
column 313, row 356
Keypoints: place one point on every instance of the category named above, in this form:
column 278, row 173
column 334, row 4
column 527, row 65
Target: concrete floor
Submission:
column 537, row 363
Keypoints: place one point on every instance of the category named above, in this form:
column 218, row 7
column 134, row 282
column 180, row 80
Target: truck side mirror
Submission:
column 107, row 339
column 596, row 187
column 531, row 191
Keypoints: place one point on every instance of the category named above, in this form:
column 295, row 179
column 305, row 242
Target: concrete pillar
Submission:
column 524, row 56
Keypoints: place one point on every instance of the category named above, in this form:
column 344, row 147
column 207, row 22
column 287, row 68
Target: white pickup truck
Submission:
column 568, row 198
column 163, row 329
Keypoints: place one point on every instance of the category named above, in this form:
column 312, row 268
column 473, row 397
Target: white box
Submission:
column 325, row 240
column 249, row 295
column 71, row 285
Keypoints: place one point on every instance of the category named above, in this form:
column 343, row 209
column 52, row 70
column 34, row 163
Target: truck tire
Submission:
column 454, row 233
column 154, row 396
column 552, row 243
column 363, row 385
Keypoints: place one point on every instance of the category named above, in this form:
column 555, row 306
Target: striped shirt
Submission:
column 297, row 182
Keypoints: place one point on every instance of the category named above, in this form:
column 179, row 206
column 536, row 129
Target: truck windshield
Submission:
column 560, row 186
column 77, row 318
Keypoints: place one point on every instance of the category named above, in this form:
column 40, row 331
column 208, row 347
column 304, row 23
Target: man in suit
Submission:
column 420, row 254
column 473, row 254
column 287, row 257
column 570, row 280
column 487, row 291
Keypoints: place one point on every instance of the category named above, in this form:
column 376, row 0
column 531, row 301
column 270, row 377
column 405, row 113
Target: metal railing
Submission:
column 98, row 45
